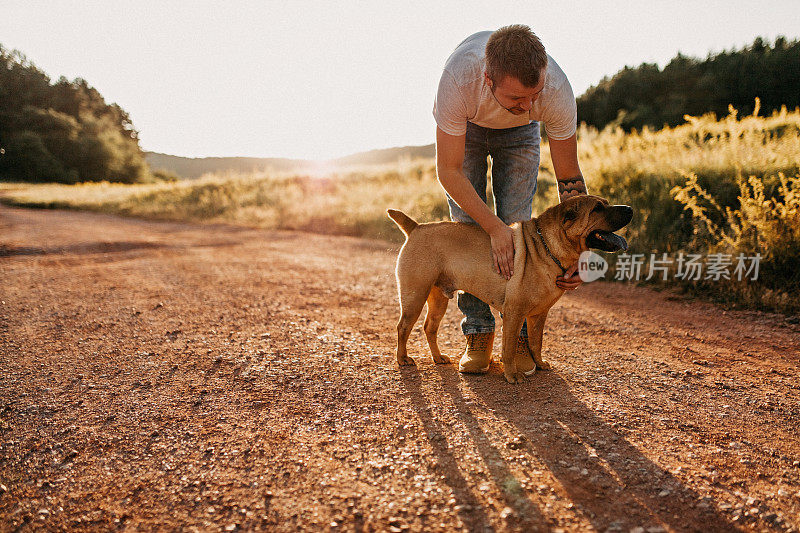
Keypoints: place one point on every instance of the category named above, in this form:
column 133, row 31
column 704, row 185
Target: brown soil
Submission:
column 163, row 376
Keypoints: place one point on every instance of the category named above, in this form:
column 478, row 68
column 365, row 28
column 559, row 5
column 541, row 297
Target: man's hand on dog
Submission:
column 503, row 250
column 502, row 237
column 571, row 280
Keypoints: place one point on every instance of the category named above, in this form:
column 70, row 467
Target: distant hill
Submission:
column 194, row 167
column 189, row 167
column 387, row 155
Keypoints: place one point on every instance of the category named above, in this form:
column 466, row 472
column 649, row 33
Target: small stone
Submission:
column 506, row 512
column 231, row 527
column 3, row 489
column 637, row 529
column 663, row 494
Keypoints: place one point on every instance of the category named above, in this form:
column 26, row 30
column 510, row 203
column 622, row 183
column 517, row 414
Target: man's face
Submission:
column 513, row 96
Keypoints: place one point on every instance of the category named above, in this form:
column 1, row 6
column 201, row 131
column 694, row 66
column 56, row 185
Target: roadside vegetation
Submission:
column 727, row 186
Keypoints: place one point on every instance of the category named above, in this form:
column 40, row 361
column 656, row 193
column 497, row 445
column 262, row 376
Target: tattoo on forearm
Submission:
column 570, row 187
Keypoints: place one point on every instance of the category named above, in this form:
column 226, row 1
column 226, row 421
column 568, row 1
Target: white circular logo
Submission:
column 591, row 266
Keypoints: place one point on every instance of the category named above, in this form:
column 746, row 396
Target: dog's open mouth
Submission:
column 606, row 241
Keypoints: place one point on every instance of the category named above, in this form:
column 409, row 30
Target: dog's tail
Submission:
column 406, row 223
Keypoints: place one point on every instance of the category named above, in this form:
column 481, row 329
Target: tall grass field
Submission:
column 724, row 186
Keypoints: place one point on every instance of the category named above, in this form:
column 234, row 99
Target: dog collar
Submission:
column 563, row 270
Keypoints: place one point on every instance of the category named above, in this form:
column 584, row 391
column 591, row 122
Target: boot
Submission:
column 523, row 357
column 478, row 355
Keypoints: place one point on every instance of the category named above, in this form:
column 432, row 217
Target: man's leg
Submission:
column 515, row 167
column 478, row 316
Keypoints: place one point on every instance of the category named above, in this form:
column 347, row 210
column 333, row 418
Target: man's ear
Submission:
column 488, row 79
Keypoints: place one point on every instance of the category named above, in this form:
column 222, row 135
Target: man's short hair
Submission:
column 515, row 51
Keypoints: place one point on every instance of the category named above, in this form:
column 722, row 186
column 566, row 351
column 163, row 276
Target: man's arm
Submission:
column 564, row 154
column 449, row 169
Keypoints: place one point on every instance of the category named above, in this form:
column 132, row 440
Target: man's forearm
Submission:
column 569, row 178
column 569, row 187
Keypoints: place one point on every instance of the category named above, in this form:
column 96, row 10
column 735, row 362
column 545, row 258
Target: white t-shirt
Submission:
column 463, row 96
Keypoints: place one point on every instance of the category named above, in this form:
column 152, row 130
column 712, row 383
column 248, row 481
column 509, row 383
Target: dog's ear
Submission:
column 569, row 216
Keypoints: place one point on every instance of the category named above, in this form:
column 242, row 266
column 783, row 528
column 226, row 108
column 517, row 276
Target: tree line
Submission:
column 648, row 96
column 62, row 131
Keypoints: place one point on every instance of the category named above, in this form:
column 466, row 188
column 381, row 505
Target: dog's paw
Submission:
column 406, row 361
column 544, row 365
column 442, row 360
column 515, row 377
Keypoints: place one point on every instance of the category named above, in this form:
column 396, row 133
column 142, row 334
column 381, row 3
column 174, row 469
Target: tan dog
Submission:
column 440, row 258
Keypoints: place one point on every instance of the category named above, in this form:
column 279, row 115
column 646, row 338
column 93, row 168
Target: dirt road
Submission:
column 175, row 376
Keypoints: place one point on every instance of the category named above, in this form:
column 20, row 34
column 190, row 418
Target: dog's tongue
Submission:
column 613, row 239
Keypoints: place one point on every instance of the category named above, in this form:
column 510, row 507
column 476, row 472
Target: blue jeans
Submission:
column 515, row 167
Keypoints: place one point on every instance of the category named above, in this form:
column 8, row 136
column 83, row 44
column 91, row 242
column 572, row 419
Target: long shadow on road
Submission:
column 608, row 480
column 622, row 487
column 467, row 505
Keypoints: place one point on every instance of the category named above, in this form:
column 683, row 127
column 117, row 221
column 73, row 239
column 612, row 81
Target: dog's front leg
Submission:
column 535, row 331
column 512, row 324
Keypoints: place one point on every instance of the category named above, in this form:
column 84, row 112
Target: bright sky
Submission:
column 321, row 79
